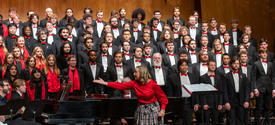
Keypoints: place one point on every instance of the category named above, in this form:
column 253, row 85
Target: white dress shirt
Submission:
column 203, row 69
column 159, row 76
column 236, row 82
column 119, row 71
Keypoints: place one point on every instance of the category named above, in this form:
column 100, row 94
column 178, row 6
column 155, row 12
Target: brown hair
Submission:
column 55, row 68
column 18, row 83
column 144, row 74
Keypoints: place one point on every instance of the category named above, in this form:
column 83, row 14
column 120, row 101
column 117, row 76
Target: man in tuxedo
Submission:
column 176, row 29
column 81, row 21
column 224, row 68
column 245, row 67
column 236, row 95
column 212, row 104
column 12, row 14
column 99, row 24
column 193, row 54
column 83, row 54
column 204, row 44
column 213, row 28
column 92, row 71
column 137, row 60
column 87, row 20
column 192, row 29
column 155, row 32
column 248, row 30
column 19, row 25
column 222, row 29
column 134, row 30
column 229, row 48
column 103, row 56
column 263, row 81
column 201, row 67
column 235, row 33
column 205, row 32
column 10, row 39
column 64, row 36
column 170, row 58
column 263, row 44
column 116, row 30
column 161, row 23
column 4, row 90
column 48, row 13
column 176, row 16
column 175, row 82
column 122, row 17
column 159, row 72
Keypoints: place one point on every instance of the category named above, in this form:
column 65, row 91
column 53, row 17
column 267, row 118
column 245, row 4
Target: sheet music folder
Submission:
column 187, row 90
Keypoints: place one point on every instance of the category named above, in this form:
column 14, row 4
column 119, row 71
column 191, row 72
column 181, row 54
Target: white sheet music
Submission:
column 187, row 90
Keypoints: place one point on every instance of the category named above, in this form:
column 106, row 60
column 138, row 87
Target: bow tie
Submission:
column 234, row 30
column 54, row 26
column 127, row 54
column 226, row 44
column 193, row 53
column 204, row 48
column 43, row 43
column 105, row 55
column 64, row 41
column 34, row 26
column 98, row 21
column 157, row 67
column 122, row 19
column 175, row 32
column 138, row 61
column 213, row 30
column 183, row 74
column 221, row 35
column 170, row 54
column 204, row 64
column 211, row 75
column 186, row 46
column 264, row 61
column 135, row 30
column 192, row 27
column 66, row 55
column 147, row 56
column 51, row 34
column 155, row 29
column 243, row 65
column 70, row 37
column 120, row 66
column 27, row 37
column 13, row 37
column 226, row 67
column 218, row 53
column 204, row 33
column 92, row 63
column 247, row 46
column 110, row 46
column 177, row 19
column 234, row 72
column 114, row 28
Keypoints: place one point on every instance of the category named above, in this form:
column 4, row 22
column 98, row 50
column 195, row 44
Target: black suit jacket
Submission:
column 9, row 43
column 166, row 59
column 170, row 21
column 239, row 35
column 230, row 93
column 125, row 21
column 131, row 66
column 164, row 71
column 217, row 99
column 261, row 81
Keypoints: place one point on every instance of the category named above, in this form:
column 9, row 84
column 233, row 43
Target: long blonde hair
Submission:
column 213, row 51
column 4, row 46
column 144, row 74
column 55, row 68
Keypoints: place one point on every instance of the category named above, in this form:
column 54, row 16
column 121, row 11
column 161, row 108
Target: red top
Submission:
column 148, row 93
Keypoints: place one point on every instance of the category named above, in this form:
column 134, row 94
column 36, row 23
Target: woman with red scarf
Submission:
column 52, row 72
column 30, row 65
column 18, row 59
column 75, row 75
column 8, row 61
column 37, row 88
column 38, row 54
column 3, row 50
column 20, row 43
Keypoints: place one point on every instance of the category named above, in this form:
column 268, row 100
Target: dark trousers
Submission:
column 237, row 115
column 262, row 104
column 210, row 116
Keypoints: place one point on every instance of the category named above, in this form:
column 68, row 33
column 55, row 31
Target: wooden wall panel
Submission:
column 260, row 14
column 59, row 7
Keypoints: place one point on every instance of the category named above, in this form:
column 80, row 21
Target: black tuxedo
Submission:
column 170, row 21
column 111, row 75
column 125, row 21
column 91, row 87
column 165, row 75
column 211, row 38
column 237, row 114
column 131, row 66
column 265, row 83
column 239, row 35
column 95, row 28
column 82, row 57
column 232, row 51
column 162, row 48
column 9, row 43
column 166, row 59
column 109, row 59
column 29, row 42
column 63, row 22
column 139, row 35
column 149, row 23
column 152, row 36
column 197, row 56
column 198, row 32
column 221, row 70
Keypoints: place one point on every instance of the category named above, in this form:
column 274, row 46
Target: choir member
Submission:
column 19, row 25
column 193, row 30
column 64, row 38
column 217, row 51
column 166, row 36
column 18, row 59
column 4, row 90
column 109, row 39
column 160, row 25
column 116, row 30
column 193, row 52
column 3, row 50
column 148, row 94
column 159, row 72
column 155, row 32
column 252, row 51
column 236, row 95
column 11, row 75
column 52, row 72
column 176, row 17
column 66, row 51
column 86, row 11
column 20, row 43
column 229, row 48
column 201, row 67
column 184, row 43
column 38, row 54
column 263, row 44
column 248, row 30
column 103, row 56
column 3, row 27
column 235, row 33
column 122, row 17
column 176, row 28
column 9, row 59
column 37, row 87
column 224, row 68
column 126, row 50
column 136, row 33
column 68, row 18
column 99, row 24
column 44, row 42
column 33, row 23
column 12, row 13
column 263, row 86
column 170, row 58
column 30, row 65
column 213, row 26
column 140, row 15
column 29, row 40
column 83, row 54
column 204, row 44
column 10, row 39
column 48, row 13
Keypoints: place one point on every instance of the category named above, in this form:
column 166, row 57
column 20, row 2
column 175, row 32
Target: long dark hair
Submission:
column 8, row 75
column 34, row 81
